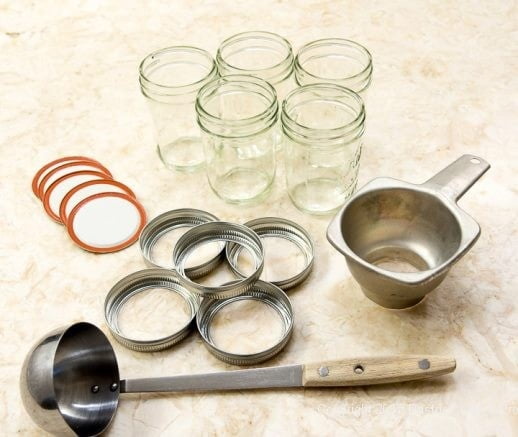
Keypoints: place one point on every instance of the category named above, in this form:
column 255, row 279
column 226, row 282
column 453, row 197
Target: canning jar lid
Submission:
column 264, row 292
column 120, row 296
column 86, row 189
column 43, row 171
column 216, row 232
column 66, row 168
column 106, row 222
column 157, row 228
column 58, row 190
column 280, row 228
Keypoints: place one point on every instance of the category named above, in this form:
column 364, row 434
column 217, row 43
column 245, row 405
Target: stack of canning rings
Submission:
column 204, row 302
column 100, row 214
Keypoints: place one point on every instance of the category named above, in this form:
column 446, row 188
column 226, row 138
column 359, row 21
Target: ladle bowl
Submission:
column 70, row 381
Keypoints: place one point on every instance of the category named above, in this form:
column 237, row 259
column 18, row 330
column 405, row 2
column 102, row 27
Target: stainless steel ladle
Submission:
column 70, row 379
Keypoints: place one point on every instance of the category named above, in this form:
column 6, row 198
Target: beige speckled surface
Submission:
column 445, row 83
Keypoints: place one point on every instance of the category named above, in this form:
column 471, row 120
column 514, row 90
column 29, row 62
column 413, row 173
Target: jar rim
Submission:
column 336, row 42
column 346, row 128
column 257, row 34
column 184, row 49
column 269, row 112
column 310, row 136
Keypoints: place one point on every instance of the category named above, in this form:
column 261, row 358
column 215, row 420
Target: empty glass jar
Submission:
column 262, row 54
column 336, row 61
column 323, row 126
column 170, row 80
column 237, row 115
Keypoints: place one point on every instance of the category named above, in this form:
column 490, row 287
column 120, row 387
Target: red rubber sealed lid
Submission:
column 106, row 222
column 87, row 189
column 58, row 189
column 43, row 171
column 67, row 168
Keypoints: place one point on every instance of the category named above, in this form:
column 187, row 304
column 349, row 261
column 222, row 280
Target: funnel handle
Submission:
column 454, row 180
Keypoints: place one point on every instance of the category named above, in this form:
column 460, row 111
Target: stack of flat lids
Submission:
column 100, row 214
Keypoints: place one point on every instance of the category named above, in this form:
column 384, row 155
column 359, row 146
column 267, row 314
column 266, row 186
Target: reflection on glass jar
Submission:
column 170, row 80
column 323, row 126
column 335, row 61
column 237, row 115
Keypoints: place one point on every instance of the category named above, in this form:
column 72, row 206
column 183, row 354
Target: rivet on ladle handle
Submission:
column 375, row 370
column 454, row 180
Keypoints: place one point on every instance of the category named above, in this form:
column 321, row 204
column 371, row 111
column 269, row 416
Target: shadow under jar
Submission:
column 335, row 61
column 170, row 80
column 323, row 126
column 237, row 115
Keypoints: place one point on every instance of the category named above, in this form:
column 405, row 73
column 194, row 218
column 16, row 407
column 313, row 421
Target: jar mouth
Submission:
column 348, row 104
column 227, row 86
column 260, row 42
column 338, row 47
column 177, row 56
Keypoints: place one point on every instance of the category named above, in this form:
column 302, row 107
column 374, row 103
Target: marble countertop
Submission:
column 445, row 84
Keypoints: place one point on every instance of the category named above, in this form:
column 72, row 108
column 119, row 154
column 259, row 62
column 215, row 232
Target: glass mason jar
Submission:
column 323, row 126
column 261, row 54
column 170, row 80
column 237, row 115
column 336, row 61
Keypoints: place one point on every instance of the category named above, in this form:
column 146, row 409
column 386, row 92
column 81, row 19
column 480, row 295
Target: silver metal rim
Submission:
column 218, row 231
column 262, row 291
column 280, row 228
column 136, row 283
column 166, row 222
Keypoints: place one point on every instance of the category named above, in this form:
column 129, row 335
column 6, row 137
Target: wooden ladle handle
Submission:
column 375, row 370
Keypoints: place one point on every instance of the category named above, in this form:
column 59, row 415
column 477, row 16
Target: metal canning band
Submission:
column 218, row 231
column 281, row 228
column 136, row 283
column 168, row 221
column 262, row 291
